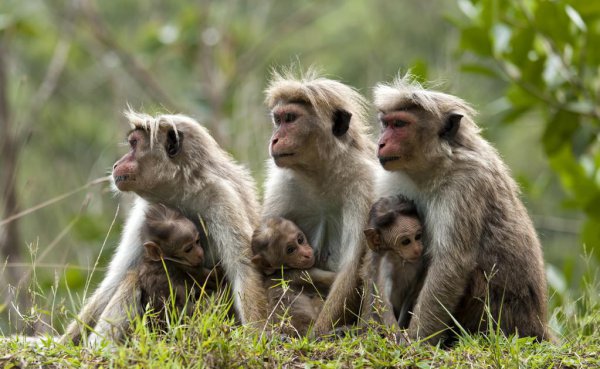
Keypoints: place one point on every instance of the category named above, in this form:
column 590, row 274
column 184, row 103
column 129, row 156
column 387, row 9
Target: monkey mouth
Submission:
column 124, row 177
column 282, row 155
column 386, row 159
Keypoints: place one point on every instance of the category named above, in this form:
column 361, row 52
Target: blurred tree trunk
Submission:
column 10, row 239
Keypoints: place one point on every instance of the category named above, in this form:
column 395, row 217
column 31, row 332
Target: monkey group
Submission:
column 422, row 231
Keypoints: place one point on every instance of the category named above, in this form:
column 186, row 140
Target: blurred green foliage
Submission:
column 547, row 54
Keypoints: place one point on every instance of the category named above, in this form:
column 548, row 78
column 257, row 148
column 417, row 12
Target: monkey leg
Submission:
column 124, row 305
column 487, row 306
column 87, row 318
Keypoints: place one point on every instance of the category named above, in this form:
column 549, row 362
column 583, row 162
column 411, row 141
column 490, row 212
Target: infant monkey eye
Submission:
column 300, row 238
column 290, row 249
column 405, row 241
column 418, row 236
column 188, row 248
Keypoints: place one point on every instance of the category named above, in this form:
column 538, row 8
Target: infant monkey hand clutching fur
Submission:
column 172, row 261
column 280, row 247
column 394, row 237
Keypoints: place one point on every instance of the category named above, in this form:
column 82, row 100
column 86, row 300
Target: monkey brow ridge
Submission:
column 151, row 124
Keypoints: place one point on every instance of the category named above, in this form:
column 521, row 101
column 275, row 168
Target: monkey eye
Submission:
column 399, row 123
column 289, row 117
column 290, row 249
column 188, row 248
column 405, row 241
column 300, row 238
column 418, row 236
column 133, row 142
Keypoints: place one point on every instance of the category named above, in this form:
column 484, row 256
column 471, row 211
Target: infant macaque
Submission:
column 395, row 238
column 280, row 250
column 171, row 238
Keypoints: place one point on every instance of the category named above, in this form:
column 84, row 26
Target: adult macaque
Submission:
column 395, row 261
column 321, row 177
column 279, row 246
column 173, row 160
column 481, row 244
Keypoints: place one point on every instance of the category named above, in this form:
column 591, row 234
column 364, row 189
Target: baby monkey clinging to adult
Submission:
column 171, row 238
column 280, row 251
column 394, row 237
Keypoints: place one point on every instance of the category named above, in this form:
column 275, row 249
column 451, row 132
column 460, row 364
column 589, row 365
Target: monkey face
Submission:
column 171, row 236
column 192, row 252
column 185, row 242
column 297, row 253
column 293, row 128
column 404, row 238
column 279, row 242
column 147, row 168
column 397, row 141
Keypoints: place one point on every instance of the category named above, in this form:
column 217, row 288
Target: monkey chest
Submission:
column 324, row 233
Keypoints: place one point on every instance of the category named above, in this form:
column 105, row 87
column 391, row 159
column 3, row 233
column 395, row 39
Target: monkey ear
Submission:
column 451, row 126
column 341, row 122
column 261, row 263
column 373, row 238
column 173, row 145
column 153, row 251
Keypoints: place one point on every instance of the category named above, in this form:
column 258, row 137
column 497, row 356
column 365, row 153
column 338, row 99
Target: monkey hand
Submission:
column 401, row 338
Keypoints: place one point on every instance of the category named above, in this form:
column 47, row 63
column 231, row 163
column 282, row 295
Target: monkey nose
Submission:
column 381, row 145
column 274, row 141
column 114, row 166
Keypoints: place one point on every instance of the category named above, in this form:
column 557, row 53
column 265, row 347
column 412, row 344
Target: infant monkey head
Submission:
column 168, row 235
column 395, row 226
column 277, row 243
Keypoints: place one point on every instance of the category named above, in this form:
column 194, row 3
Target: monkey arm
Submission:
column 320, row 278
column 212, row 278
column 442, row 290
column 382, row 304
column 453, row 254
column 230, row 231
column 343, row 293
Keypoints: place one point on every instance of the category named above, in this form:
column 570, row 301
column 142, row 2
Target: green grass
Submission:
column 209, row 338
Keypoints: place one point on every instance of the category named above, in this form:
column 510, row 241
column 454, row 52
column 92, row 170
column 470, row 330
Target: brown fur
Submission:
column 173, row 261
column 326, row 185
column 393, row 262
column 476, row 227
column 176, row 162
column 301, row 299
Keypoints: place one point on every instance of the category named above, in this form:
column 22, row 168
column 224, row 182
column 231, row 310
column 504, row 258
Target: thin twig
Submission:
column 54, row 200
column 50, row 266
column 130, row 63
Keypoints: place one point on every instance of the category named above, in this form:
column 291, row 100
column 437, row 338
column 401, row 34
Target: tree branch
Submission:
column 131, row 64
